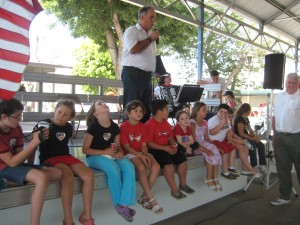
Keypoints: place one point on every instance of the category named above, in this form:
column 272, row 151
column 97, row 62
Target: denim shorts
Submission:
column 17, row 174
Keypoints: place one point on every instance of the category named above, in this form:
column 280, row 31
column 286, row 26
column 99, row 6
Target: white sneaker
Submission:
column 262, row 169
column 245, row 172
column 280, row 201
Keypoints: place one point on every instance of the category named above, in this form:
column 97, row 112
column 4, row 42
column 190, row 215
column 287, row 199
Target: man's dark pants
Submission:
column 287, row 153
column 137, row 86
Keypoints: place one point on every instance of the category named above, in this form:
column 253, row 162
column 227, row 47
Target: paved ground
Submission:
column 250, row 208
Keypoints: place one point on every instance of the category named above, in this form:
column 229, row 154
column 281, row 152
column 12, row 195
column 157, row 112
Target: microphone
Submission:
column 157, row 40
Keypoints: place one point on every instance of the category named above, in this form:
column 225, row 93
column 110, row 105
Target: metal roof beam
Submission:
column 282, row 11
column 241, row 27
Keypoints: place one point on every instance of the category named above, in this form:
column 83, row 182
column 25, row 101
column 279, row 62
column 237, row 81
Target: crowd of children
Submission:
column 120, row 151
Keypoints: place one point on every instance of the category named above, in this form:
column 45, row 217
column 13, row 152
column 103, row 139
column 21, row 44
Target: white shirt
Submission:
column 287, row 112
column 221, row 135
column 221, row 81
column 144, row 60
column 157, row 92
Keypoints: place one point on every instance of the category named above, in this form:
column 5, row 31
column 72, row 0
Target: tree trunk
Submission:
column 235, row 72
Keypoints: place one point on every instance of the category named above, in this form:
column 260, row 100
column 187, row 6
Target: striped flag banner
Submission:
column 15, row 19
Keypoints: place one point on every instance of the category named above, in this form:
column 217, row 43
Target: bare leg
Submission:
column 142, row 176
column 54, row 174
column 243, row 155
column 225, row 162
column 87, row 177
column 40, row 180
column 182, row 172
column 67, row 187
column 170, row 177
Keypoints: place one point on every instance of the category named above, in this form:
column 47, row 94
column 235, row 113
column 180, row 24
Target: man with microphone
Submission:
column 139, row 59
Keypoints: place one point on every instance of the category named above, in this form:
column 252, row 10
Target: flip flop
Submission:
column 124, row 212
column 85, row 222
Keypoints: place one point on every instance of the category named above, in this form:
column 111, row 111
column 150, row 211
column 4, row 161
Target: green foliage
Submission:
column 93, row 63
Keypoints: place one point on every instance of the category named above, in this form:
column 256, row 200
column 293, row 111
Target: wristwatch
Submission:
column 149, row 39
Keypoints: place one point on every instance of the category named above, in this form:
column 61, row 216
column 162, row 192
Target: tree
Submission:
column 93, row 63
column 105, row 21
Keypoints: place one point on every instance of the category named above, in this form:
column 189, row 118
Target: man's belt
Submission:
column 137, row 69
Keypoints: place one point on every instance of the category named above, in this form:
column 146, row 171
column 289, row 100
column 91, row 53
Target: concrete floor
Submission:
column 246, row 208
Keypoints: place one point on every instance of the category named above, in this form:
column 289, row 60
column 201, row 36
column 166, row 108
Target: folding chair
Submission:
column 79, row 115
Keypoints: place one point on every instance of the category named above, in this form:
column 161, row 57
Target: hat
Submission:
column 230, row 93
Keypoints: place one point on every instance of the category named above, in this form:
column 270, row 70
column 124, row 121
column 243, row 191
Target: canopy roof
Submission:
column 273, row 25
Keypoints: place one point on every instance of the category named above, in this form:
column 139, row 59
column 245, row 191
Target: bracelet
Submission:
column 149, row 39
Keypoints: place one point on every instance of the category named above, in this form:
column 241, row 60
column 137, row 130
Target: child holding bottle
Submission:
column 101, row 144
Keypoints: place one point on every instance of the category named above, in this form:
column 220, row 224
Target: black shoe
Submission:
column 234, row 172
column 229, row 176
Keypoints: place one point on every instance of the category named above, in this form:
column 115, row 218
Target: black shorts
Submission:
column 164, row 158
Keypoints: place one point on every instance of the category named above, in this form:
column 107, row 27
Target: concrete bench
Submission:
column 20, row 195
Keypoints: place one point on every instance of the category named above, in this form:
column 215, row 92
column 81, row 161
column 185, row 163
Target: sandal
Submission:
column 144, row 202
column 186, row 189
column 124, row 212
column 211, row 186
column 85, row 222
column 156, row 208
column 179, row 195
column 218, row 185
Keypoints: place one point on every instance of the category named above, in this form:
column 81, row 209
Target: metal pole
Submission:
column 200, row 40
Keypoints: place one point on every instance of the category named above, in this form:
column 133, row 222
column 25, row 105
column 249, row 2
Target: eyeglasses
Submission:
column 20, row 117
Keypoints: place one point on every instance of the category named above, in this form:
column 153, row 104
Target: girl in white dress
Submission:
column 210, row 151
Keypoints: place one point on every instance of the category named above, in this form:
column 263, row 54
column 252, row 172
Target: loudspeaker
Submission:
column 274, row 71
column 160, row 68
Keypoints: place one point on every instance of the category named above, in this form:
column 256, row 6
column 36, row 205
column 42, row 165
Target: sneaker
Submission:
column 229, row 176
column 280, row 201
column 262, row 169
column 179, row 195
column 234, row 172
column 187, row 189
column 247, row 173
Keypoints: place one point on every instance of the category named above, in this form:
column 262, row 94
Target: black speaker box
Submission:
column 274, row 71
column 160, row 68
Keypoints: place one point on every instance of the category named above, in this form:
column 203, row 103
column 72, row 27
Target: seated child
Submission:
column 243, row 129
column 12, row 157
column 133, row 139
column 101, row 144
column 55, row 151
column 210, row 151
column 183, row 135
column 162, row 146
column 219, row 129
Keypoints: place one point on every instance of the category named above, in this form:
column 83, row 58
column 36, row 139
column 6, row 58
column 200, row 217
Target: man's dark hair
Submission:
column 214, row 73
column 158, row 104
column 223, row 106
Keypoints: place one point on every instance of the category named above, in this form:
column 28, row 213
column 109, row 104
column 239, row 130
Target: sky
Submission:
column 51, row 45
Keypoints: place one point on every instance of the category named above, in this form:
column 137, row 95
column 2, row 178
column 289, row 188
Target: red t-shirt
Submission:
column 177, row 130
column 133, row 135
column 9, row 142
column 160, row 133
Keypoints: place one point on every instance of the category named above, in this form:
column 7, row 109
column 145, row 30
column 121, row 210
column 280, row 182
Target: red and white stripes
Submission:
column 15, row 20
